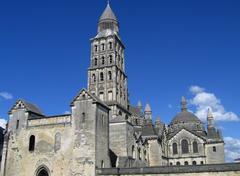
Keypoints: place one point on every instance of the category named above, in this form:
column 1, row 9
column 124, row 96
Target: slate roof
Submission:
column 106, row 33
column 148, row 130
column 32, row 107
column 108, row 14
column 185, row 117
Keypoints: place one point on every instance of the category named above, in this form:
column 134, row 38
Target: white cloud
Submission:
column 196, row 89
column 6, row 95
column 232, row 148
column 203, row 101
column 3, row 123
column 67, row 112
column 170, row 106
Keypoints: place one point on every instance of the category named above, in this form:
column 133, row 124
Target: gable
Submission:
column 22, row 104
column 183, row 133
column 85, row 95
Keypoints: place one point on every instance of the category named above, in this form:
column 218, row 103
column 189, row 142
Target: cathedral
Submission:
column 103, row 129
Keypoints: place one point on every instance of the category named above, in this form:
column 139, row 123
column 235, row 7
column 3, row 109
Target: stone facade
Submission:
column 103, row 129
column 201, row 170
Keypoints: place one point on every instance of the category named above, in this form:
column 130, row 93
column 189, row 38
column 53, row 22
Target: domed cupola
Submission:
column 186, row 119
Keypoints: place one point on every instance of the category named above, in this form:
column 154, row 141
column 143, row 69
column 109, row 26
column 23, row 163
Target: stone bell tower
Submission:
column 106, row 76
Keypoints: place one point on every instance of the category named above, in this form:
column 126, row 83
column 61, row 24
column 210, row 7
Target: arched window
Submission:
column 83, row 118
column 110, row 59
column 120, row 113
column 32, row 143
column 178, row 163
column 95, row 48
column 194, row 163
column 94, row 78
column 214, row 149
column 110, row 75
column 133, row 152
column 202, row 162
column 103, row 60
column 195, row 147
column 95, row 62
column 101, row 96
column 17, row 125
column 175, row 150
column 103, row 120
column 171, row 164
column 42, row 171
column 103, row 47
column 57, row 145
column 110, row 95
column 185, row 163
column 145, row 154
column 110, row 45
column 184, row 145
column 139, row 154
column 102, row 164
column 101, row 76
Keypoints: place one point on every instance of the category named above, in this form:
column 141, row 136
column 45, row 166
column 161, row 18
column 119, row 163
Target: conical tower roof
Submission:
column 148, row 108
column 108, row 14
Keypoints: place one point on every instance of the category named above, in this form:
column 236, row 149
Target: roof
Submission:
column 148, row 130
column 32, row 108
column 106, row 33
column 28, row 106
column 108, row 14
column 200, row 135
column 148, row 108
column 95, row 98
column 185, row 117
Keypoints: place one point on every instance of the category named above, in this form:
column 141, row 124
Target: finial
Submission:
column 210, row 119
column 139, row 104
column 108, row 2
column 148, row 108
column 158, row 119
column 183, row 104
column 209, row 114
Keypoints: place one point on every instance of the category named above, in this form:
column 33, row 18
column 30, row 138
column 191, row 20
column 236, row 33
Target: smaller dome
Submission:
column 185, row 117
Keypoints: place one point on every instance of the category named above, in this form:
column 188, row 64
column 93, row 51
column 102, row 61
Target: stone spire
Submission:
column 148, row 108
column 210, row 119
column 108, row 20
column 139, row 106
column 183, row 104
column 158, row 121
column 148, row 112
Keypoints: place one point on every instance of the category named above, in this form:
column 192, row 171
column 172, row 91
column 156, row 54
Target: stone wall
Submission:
column 200, row 170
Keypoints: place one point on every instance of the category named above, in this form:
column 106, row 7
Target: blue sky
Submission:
column 170, row 46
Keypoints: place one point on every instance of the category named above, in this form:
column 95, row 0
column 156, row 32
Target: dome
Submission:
column 185, row 117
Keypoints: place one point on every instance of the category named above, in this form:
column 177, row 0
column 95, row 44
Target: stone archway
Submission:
column 42, row 171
